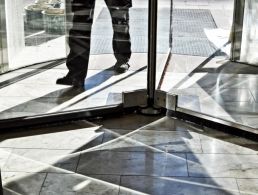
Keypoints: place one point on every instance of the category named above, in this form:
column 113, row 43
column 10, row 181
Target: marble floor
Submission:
column 210, row 85
column 128, row 154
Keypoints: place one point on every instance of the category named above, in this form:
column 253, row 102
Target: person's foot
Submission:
column 70, row 81
column 121, row 67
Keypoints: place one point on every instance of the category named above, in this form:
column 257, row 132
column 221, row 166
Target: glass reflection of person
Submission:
column 80, row 35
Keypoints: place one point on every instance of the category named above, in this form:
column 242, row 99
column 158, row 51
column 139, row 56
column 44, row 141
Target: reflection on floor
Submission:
column 131, row 154
column 215, row 87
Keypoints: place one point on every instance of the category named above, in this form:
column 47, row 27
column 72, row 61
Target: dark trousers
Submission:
column 80, row 34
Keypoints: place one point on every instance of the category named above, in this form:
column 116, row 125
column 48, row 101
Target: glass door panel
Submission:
column 249, row 44
column 35, row 31
column 164, row 33
column 118, row 40
column 199, row 70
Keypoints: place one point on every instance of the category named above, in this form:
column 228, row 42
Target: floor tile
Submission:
column 126, row 122
column 22, row 183
column 4, row 155
column 250, row 121
column 223, row 165
column 76, row 184
column 155, row 141
column 216, row 146
column 132, row 163
column 41, row 160
column 133, row 185
column 73, row 139
column 169, row 124
column 248, row 186
column 111, row 134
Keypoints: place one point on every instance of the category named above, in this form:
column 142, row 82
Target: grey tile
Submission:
column 132, row 163
column 155, row 141
column 4, row 155
column 22, row 183
column 216, row 146
column 76, row 184
column 248, row 186
column 133, row 185
column 41, row 160
column 223, row 165
column 170, row 141
column 111, row 134
column 126, row 122
column 73, row 139
column 228, row 138
column 251, row 121
column 169, row 124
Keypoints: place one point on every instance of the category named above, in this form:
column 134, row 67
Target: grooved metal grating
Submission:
column 188, row 31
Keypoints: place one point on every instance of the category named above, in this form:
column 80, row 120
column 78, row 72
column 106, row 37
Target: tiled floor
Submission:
column 130, row 154
column 212, row 86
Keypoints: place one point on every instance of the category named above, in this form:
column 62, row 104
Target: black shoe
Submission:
column 121, row 67
column 70, row 81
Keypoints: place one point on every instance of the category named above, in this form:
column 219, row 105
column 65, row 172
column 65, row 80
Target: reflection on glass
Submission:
column 249, row 45
column 164, row 34
column 199, row 70
column 80, row 38
column 35, row 31
column 106, row 48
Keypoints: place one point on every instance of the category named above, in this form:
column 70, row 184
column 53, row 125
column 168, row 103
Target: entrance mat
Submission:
column 188, row 31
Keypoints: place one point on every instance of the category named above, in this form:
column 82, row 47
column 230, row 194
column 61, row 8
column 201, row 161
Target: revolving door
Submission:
column 159, row 31
column 37, row 47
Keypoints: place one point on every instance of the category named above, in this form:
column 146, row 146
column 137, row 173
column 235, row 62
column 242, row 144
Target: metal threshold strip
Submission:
column 45, row 119
column 215, row 123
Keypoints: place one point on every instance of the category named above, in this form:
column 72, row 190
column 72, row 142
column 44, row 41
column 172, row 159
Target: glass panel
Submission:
column 114, row 44
column 35, row 31
column 199, row 69
column 3, row 39
column 249, row 45
column 163, row 37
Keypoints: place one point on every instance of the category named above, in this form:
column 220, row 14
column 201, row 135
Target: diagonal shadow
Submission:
column 51, row 100
column 184, row 182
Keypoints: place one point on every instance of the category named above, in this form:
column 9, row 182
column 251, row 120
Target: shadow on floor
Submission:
column 102, row 170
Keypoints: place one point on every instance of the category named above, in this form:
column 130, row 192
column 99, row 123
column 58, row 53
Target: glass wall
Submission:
column 100, row 49
column 35, row 31
column 164, row 38
column 3, row 39
column 249, row 41
column 200, row 70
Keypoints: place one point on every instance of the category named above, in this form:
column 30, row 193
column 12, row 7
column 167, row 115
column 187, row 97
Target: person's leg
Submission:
column 119, row 11
column 79, row 42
